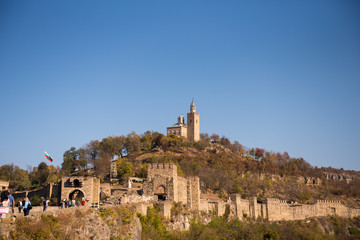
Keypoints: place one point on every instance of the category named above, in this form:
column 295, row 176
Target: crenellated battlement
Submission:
column 329, row 201
column 167, row 170
column 162, row 166
column 193, row 178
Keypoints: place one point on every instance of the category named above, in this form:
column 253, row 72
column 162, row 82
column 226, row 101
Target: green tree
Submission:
column 156, row 139
column 252, row 152
column 70, row 161
column 18, row 178
column 6, row 172
column 92, row 151
column 142, row 172
column 124, row 168
column 133, row 143
column 120, row 146
column 21, row 180
column 102, row 165
column 146, row 141
column 107, row 146
column 43, row 173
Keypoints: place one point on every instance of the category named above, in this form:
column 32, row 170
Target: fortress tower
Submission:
column 191, row 130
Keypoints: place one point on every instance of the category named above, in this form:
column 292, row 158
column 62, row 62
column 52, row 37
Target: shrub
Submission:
column 354, row 231
column 35, row 200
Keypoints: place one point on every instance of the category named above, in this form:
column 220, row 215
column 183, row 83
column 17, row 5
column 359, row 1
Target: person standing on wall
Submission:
column 27, row 206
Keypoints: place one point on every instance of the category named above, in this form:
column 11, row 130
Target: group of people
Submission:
column 25, row 206
column 72, row 203
column 7, row 200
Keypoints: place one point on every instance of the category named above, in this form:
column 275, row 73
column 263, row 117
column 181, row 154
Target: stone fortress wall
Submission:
column 187, row 191
column 89, row 187
column 164, row 182
column 50, row 190
column 274, row 209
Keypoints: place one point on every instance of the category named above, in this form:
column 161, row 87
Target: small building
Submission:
column 4, row 186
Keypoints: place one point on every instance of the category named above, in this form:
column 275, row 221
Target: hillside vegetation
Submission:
column 224, row 167
column 121, row 222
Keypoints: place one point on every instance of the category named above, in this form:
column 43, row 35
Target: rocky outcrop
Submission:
column 339, row 177
column 118, row 222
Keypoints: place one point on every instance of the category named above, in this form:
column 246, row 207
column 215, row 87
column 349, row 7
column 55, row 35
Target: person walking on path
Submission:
column 45, row 204
column 20, row 206
column 12, row 201
column 27, row 207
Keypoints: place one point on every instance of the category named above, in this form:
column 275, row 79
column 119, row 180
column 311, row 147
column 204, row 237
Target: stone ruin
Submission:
column 164, row 183
column 4, row 186
column 163, row 186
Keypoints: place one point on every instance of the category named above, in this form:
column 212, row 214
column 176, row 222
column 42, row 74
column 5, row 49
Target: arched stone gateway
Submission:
column 163, row 181
column 77, row 195
column 160, row 192
column 78, row 187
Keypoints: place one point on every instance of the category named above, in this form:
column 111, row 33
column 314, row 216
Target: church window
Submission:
column 190, row 120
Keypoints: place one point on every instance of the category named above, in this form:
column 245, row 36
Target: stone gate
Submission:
column 76, row 187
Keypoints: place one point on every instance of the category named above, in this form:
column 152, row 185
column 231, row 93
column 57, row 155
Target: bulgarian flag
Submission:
column 48, row 157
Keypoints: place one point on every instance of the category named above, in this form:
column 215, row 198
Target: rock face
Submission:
column 92, row 228
column 339, row 177
column 118, row 222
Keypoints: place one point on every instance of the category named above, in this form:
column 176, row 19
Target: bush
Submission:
column 354, row 231
column 153, row 225
column 47, row 227
column 36, row 200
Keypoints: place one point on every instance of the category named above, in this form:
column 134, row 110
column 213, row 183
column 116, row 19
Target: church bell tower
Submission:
column 193, row 123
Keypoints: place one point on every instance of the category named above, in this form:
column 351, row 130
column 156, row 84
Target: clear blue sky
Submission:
column 281, row 75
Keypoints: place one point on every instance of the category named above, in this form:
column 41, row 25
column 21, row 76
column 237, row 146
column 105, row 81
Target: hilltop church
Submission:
column 191, row 130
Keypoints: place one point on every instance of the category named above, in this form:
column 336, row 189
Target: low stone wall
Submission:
column 204, row 205
column 142, row 207
column 47, row 191
column 105, row 188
